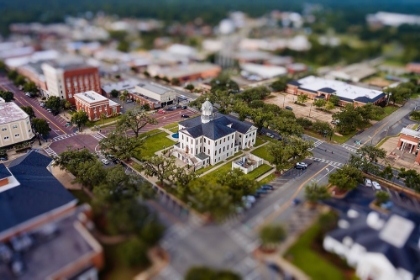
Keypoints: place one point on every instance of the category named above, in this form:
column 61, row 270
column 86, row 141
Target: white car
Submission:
column 105, row 161
column 301, row 165
column 376, row 186
column 368, row 182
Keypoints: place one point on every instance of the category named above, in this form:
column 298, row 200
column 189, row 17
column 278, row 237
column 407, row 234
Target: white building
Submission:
column 212, row 137
column 162, row 94
column 15, row 125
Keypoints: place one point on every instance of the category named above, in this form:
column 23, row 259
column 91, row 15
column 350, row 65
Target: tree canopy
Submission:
column 41, row 126
column 79, row 118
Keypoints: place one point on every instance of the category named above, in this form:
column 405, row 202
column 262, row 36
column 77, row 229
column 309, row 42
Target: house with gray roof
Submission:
column 212, row 137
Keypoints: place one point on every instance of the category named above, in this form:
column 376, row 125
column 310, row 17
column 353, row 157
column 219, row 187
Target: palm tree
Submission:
column 124, row 95
column 315, row 192
column 272, row 235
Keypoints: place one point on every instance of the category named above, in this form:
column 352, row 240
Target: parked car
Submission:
column 335, row 122
column 368, row 182
column 105, row 161
column 171, row 109
column 288, row 108
column 161, row 111
column 261, row 191
column 296, row 201
column 184, row 107
column 376, row 186
column 251, row 198
column 28, row 94
column 301, row 165
column 185, row 116
column 267, row 187
column 42, row 104
column 129, row 101
column 5, row 253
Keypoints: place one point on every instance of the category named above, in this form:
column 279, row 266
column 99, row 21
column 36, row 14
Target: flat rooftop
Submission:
column 187, row 70
column 155, row 88
column 90, row 96
column 10, row 112
column 341, row 89
column 47, row 257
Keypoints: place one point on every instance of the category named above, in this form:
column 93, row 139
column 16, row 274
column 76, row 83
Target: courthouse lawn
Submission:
column 154, row 143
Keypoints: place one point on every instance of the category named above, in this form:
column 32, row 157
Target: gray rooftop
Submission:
column 153, row 87
column 10, row 112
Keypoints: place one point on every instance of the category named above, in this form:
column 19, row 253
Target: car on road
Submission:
column 185, row 116
column 335, row 122
column 267, row 187
column 49, row 110
column 288, row 108
column 368, row 182
column 42, row 104
column 261, row 191
column 376, row 186
column 296, row 201
column 161, row 111
column 184, row 107
column 301, row 165
column 105, row 161
column 28, row 94
column 129, row 101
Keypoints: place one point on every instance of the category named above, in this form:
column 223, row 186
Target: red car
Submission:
column 162, row 111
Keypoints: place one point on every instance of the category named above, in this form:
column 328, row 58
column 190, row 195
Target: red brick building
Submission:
column 409, row 142
column 95, row 105
column 66, row 79
column 413, row 67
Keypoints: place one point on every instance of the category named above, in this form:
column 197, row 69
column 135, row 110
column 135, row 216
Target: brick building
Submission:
column 409, row 142
column 95, row 104
column 65, row 79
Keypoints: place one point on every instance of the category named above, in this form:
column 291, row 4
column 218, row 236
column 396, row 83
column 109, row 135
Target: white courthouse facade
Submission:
column 212, row 137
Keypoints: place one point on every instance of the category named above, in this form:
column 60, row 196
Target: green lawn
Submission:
column 151, row 132
column 154, row 143
column 171, row 125
column 235, row 155
column 174, row 129
column 309, row 261
column 268, row 179
column 254, row 174
column 415, row 95
column 262, row 153
column 259, row 141
column 388, row 111
column 202, row 170
column 213, row 176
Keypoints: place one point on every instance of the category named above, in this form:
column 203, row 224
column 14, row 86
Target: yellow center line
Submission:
column 274, row 214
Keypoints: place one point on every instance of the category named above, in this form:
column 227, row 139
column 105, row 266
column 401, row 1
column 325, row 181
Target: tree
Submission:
column 315, row 192
column 412, row 178
column 114, row 93
column 304, row 122
column 346, row 178
column 206, row 273
column 135, row 120
column 124, row 96
column 90, row 173
column 329, row 106
column 28, row 110
column 31, row 88
column 363, row 164
column 349, row 118
column 272, row 235
column 319, row 103
column 381, row 197
column 224, row 83
column 280, row 153
column 260, row 117
column 53, row 103
column 321, row 127
column 147, row 74
column 251, row 94
column 102, row 117
column 165, row 79
column 280, row 84
column 160, row 166
column 20, row 80
column 299, row 148
column 71, row 159
column 387, row 173
column 120, row 145
column 224, row 99
column 65, row 104
column 415, row 115
column 328, row 221
column 370, row 112
column 241, row 108
column 12, row 75
column 189, row 87
column 302, row 98
column 175, row 82
column 123, row 46
column 133, row 253
column 79, row 118
column 182, row 176
column 152, row 233
column 334, row 99
column 286, row 126
column 372, row 153
column 238, row 184
column 7, row 95
column 41, row 126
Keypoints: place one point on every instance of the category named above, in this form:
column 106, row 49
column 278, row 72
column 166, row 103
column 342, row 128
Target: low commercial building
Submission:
column 211, row 138
column 95, row 105
column 15, row 126
column 353, row 73
column 409, row 142
column 186, row 72
column 154, row 94
column 315, row 87
column 43, row 234
column 65, row 78
column 126, row 85
column 413, row 67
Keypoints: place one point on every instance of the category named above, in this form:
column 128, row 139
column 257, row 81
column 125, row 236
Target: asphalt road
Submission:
column 57, row 123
